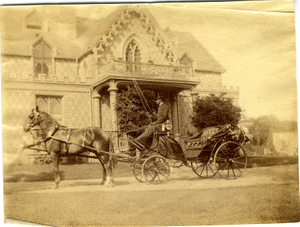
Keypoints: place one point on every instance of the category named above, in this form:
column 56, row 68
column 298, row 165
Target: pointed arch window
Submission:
column 42, row 54
column 133, row 57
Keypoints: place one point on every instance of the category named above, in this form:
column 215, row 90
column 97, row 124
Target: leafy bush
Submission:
column 132, row 113
column 215, row 110
column 42, row 160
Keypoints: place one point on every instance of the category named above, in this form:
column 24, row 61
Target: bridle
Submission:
column 36, row 120
column 33, row 117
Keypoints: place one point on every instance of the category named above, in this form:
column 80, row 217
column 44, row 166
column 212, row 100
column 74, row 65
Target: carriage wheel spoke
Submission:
column 225, row 153
column 210, row 167
column 232, row 169
column 237, row 151
column 240, row 163
column 225, row 167
column 156, row 169
column 228, row 170
column 236, row 160
column 236, row 167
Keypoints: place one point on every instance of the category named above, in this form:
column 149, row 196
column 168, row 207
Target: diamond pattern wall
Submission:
column 185, row 110
column 106, row 121
column 16, row 64
column 65, row 68
column 16, row 107
column 77, row 109
column 212, row 80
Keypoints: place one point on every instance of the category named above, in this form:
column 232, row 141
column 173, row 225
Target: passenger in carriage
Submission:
column 162, row 116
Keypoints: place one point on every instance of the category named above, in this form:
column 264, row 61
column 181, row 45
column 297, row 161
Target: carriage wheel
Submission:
column 137, row 172
column 231, row 160
column 156, row 169
column 204, row 167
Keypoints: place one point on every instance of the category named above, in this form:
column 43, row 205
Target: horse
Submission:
column 60, row 140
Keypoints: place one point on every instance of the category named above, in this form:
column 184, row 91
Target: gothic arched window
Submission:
column 133, row 57
column 42, row 55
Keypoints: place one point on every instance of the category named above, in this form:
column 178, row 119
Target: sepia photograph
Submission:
column 149, row 114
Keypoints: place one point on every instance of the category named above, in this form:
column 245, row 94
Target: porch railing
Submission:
column 148, row 70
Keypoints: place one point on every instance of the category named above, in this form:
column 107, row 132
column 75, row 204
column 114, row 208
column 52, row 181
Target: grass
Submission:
column 30, row 173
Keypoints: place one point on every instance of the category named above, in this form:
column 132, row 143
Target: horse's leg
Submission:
column 109, row 179
column 55, row 159
column 103, row 167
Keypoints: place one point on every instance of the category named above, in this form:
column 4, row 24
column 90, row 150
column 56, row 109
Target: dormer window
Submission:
column 42, row 54
column 186, row 60
column 34, row 21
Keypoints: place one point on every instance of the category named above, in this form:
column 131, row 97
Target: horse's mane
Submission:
column 48, row 116
column 53, row 121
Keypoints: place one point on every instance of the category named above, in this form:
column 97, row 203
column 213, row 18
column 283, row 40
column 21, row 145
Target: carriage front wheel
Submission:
column 204, row 167
column 230, row 160
column 156, row 169
column 137, row 171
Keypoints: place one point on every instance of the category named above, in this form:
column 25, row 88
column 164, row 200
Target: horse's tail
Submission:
column 112, row 158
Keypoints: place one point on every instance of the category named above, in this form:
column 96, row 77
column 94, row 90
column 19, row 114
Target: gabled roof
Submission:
column 17, row 40
column 97, row 29
column 187, row 43
column 81, row 34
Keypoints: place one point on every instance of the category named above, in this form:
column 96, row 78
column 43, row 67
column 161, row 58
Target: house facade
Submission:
column 73, row 67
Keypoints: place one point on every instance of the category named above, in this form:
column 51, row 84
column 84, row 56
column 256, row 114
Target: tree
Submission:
column 215, row 110
column 262, row 127
column 132, row 113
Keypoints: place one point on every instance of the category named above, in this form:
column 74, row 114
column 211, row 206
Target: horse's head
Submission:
column 33, row 119
column 39, row 118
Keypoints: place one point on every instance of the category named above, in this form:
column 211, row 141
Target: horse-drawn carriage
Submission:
column 213, row 150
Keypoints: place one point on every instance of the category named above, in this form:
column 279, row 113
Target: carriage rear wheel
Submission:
column 231, row 160
column 204, row 167
column 156, row 169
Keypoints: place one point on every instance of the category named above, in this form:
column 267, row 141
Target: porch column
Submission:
column 194, row 96
column 113, row 99
column 96, row 109
column 175, row 118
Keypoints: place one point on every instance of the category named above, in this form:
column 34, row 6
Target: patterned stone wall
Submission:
column 105, row 112
column 185, row 110
column 22, row 66
column 209, row 80
column 14, row 65
column 17, row 105
column 77, row 109
column 65, row 68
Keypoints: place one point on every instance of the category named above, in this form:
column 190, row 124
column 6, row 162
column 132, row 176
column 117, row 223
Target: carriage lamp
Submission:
column 168, row 126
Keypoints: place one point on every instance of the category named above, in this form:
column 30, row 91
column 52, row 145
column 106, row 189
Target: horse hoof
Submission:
column 102, row 182
column 109, row 184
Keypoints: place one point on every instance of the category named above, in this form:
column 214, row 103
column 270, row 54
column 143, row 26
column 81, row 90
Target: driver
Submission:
column 162, row 116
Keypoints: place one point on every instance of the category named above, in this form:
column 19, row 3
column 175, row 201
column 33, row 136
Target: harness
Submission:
column 66, row 145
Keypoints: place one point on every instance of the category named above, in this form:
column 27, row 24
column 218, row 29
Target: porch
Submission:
column 104, row 92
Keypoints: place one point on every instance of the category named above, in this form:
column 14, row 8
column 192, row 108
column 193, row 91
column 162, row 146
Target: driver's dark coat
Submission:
column 162, row 116
column 162, row 113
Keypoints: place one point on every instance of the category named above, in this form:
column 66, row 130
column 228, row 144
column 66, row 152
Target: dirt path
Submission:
column 182, row 178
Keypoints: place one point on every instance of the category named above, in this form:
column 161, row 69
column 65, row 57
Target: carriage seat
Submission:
column 200, row 139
